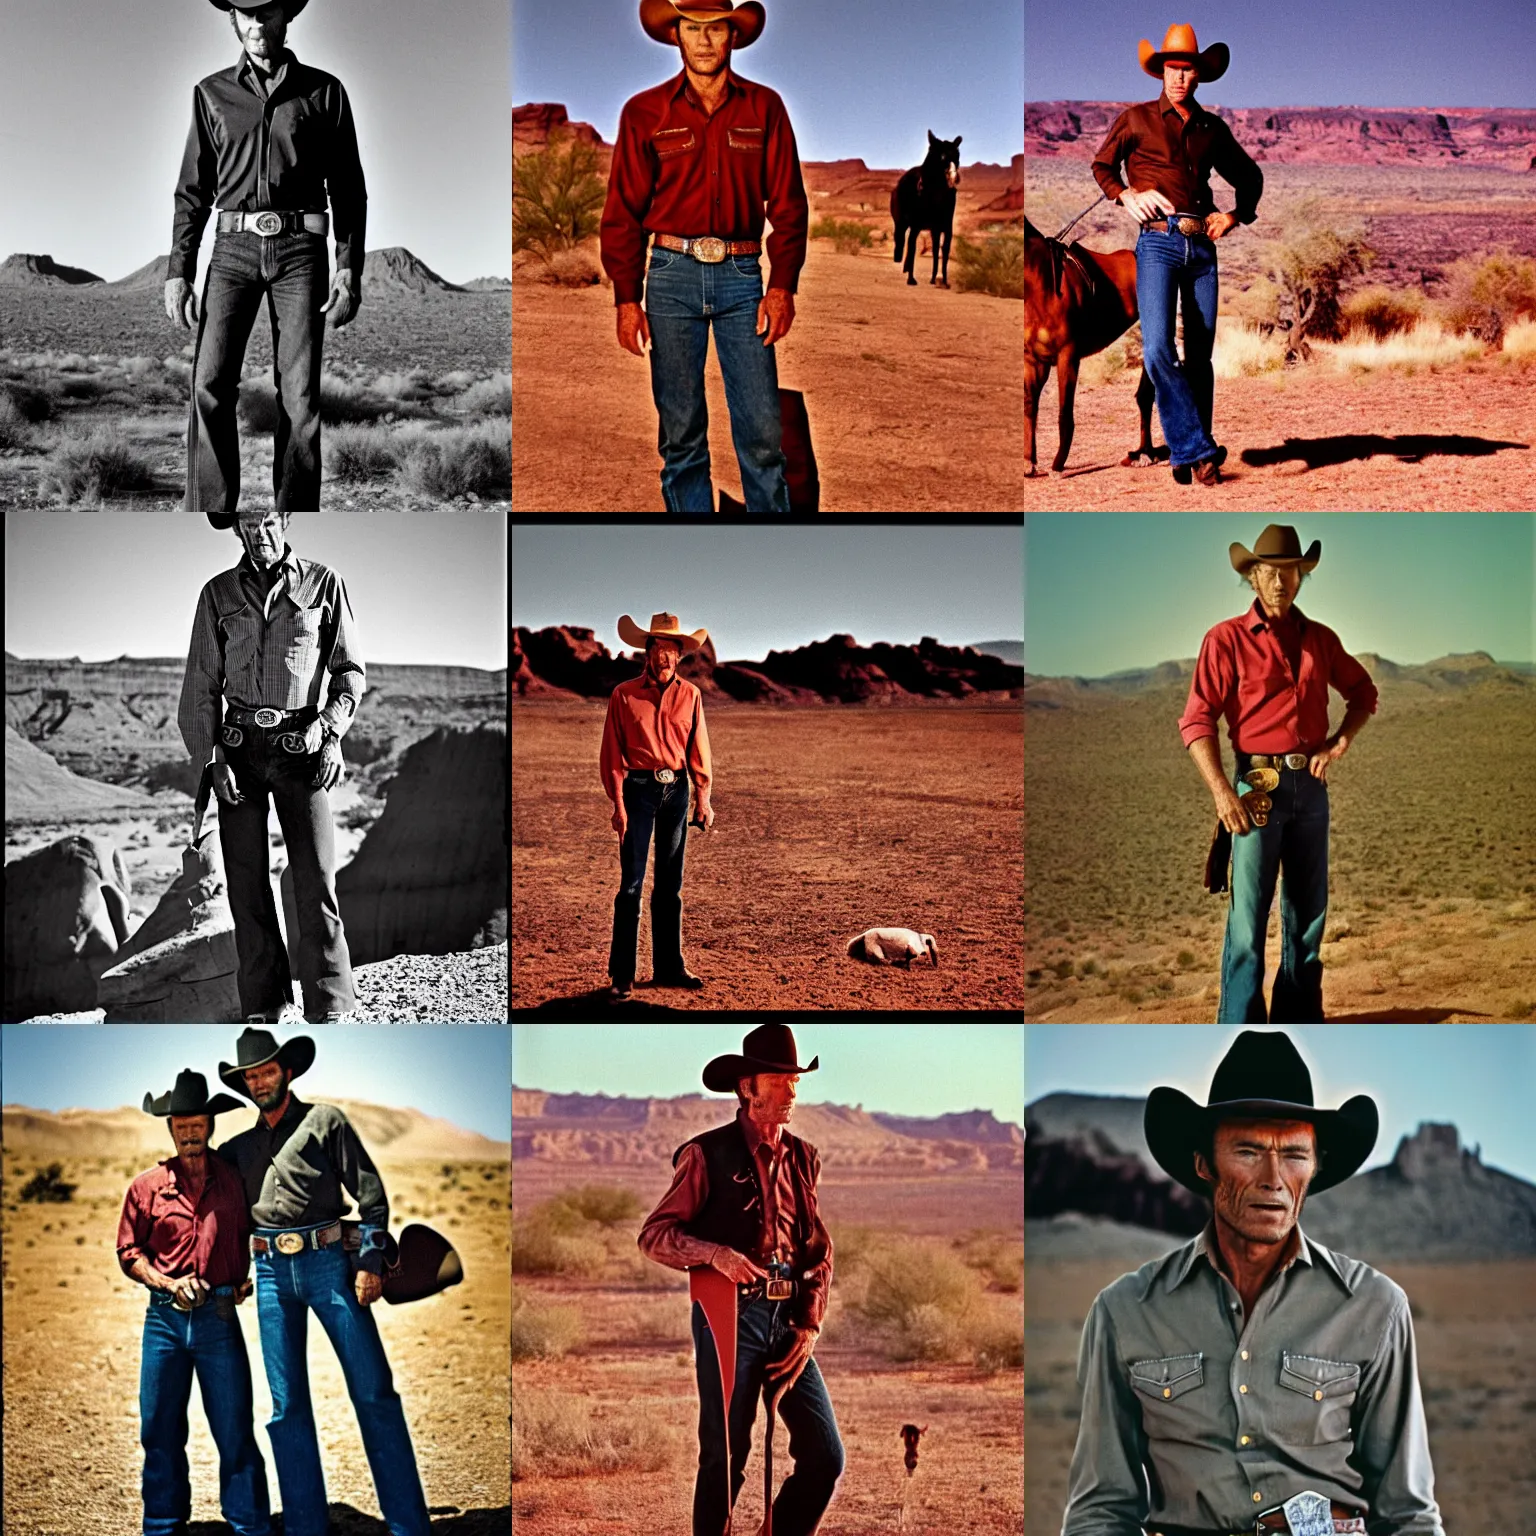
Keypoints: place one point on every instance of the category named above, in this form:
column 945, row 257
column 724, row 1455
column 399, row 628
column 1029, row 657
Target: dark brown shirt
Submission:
column 1162, row 151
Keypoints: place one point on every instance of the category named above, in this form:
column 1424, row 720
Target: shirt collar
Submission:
column 680, row 86
column 274, row 79
column 296, row 1108
column 1258, row 619
column 289, row 562
column 1185, row 1259
column 1165, row 106
column 753, row 1135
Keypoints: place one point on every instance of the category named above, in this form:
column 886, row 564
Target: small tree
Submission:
column 1309, row 266
column 1489, row 293
column 49, row 1185
column 557, row 197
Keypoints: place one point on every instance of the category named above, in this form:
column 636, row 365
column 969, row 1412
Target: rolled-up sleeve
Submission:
column 132, row 1230
column 202, row 684
column 343, row 660
column 1106, row 1492
column 1210, row 688
column 1352, row 680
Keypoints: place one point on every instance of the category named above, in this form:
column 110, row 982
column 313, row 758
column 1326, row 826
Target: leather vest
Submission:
column 732, row 1212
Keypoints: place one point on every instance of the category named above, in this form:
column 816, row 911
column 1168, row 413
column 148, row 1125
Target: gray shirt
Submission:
column 1197, row 1415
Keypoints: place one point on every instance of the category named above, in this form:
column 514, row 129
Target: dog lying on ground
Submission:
column 893, row 946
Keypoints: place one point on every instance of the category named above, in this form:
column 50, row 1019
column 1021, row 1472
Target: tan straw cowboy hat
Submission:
column 1180, row 42
column 664, row 626
column 1279, row 544
column 660, row 18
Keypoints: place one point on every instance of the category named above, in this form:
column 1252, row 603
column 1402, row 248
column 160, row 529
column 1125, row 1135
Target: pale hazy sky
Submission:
column 425, row 587
column 96, row 100
column 455, row 1072
column 1474, row 1076
column 898, row 1069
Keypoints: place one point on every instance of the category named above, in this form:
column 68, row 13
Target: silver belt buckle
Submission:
column 232, row 735
column 267, row 718
column 708, row 248
column 1295, row 759
column 267, row 224
column 665, row 775
column 1308, row 1514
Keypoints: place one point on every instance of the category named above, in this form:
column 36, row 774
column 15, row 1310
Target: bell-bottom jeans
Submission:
column 662, row 808
column 1174, row 269
column 288, row 1288
column 292, row 272
column 1294, row 846
column 684, row 298
column 815, row 1447
column 176, row 1346
column 263, row 769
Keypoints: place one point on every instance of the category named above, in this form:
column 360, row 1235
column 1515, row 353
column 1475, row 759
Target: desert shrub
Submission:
column 992, row 265
column 30, row 403
column 1380, row 311
column 257, row 407
column 1425, row 345
column 912, row 1291
column 848, row 235
column 558, row 1434
column 85, row 469
column 1309, row 266
column 1489, row 293
column 1242, row 352
column 404, row 386
column 997, row 1343
column 14, row 429
column 1520, row 341
column 1257, row 305
column 572, row 269
column 542, row 1332
column 1186, row 959
column 557, row 197
column 489, row 397
column 346, row 401
column 359, row 453
column 454, row 382
column 47, row 1185
column 996, row 1256
column 462, row 461
column 605, row 1204
column 84, row 386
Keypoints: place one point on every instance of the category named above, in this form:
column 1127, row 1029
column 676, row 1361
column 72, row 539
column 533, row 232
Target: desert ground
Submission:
column 1474, row 1324
column 1432, row 914
column 72, row 1329
column 830, row 821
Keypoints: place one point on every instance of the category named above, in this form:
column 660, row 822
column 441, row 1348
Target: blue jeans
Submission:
column 175, row 1345
column 1171, row 268
column 292, row 272
column 288, row 1287
column 1293, row 845
column 683, row 298
column 664, row 809
column 815, row 1447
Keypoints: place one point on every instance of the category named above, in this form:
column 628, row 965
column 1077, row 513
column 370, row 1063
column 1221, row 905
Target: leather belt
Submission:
column 269, row 719
column 271, row 222
column 659, row 775
column 297, row 1242
column 165, row 1298
column 1184, row 223
column 1291, row 760
column 1340, row 1520
column 708, row 248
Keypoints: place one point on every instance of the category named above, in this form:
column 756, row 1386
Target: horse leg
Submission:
column 944, row 274
column 1144, row 455
column 1066, row 388
column 907, row 265
column 1035, row 373
column 901, row 236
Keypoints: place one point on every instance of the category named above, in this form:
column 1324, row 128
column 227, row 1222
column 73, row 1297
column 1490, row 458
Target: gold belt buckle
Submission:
column 779, row 1290
column 708, row 248
column 290, row 1242
column 267, row 718
column 1191, row 227
column 1262, row 779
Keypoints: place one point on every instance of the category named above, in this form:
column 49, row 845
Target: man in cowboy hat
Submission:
column 1170, row 146
column 182, row 1235
column 269, row 139
column 296, row 1162
column 743, row 1204
column 1252, row 1379
column 273, row 681
column 1267, row 672
column 654, row 741
column 697, row 162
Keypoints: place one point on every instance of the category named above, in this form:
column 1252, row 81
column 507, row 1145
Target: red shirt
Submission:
column 651, row 728
column 1244, row 674
column 160, row 1224
column 677, row 170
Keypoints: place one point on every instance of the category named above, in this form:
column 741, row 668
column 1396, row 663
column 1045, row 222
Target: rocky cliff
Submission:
column 537, row 122
column 395, row 269
column 24, row 271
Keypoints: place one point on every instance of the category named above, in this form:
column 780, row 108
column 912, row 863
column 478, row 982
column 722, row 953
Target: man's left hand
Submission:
column 1333, row 749
column 343, row 299
column 704, row 816
column 775, row 315
column 314, row 736
column 786, row 1372
column 369, row 1288
column 332, row 769
column 1217, row 224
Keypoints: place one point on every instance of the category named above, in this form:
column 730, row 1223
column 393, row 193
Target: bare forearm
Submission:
column 142, row 1271
column 1354, row 722
column 1206, row 751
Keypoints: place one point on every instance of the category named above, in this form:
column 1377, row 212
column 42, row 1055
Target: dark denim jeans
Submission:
column 177, row 1344
column 1171, row 269
column 288, row 1288
column 293, row 273
column 815, row 1447
column 662, row 808
column 683, row 298
column 1294, row 845
column 262, row 768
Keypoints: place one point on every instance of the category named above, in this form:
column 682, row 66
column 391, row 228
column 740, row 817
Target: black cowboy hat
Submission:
column 256, row 1047
column 1262, row 1077
column 769, row 1048
column 291, row 8
column 423, row 1264
column 189, row 1097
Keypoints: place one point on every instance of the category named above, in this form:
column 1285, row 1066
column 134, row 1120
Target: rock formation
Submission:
column 536, row 123
column 566, row 659
column 146, row 279
column 23, row 271
column 1086, row 1174
column 39, row 789
column 396, row 270
column 433, row 870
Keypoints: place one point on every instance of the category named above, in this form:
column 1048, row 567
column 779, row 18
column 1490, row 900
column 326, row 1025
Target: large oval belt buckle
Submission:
column 290, row 1242
column 291, row 742
column 665, row 775
column 232, row 735
column 269, row 223
column 267, row 718
column 708, row 248
column 1309, row 1514
column 1262, row 779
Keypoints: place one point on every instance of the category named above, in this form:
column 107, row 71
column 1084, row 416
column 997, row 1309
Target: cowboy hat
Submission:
column 1179, row 42
column 256, row 1047
column 660, row 18
column 769, row 1048
column 424, row 1264
column 189, row 1097
column 664, row 626
column 1262, row 1077
column 291, row 8
column 1279, row 544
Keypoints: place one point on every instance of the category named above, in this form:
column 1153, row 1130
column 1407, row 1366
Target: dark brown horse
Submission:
column 1076, row 303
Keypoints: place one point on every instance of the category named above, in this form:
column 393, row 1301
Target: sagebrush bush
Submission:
column 488, row 397
column 461, row 461
column 359, row 453
column 903, row 1279
column 85, row 469
column 30, row 403
column 1500, row 281
column 557, row 197
column 539, row 1248
column 848, row 235
column 541, row 1332
column 995, row 265
column 15, row 432
column 1380, row 311
column 606, row 1204
column 557, row 1434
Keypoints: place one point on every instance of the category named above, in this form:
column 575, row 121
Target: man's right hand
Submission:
column 620, row 824
column 1234, row 817
column 737, row 1266
column 634, row 332
column 188, row 1289
column 224, row 785
column 1146, row 205
column 180, row 303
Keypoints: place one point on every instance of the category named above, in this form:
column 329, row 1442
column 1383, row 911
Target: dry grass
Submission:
column 469, row 462
column 849, row 236
column 85, row 469
column 994, row 264
column 1243, row 352
column 1520, row 341
column 1380, row 312
column 1425, row 345
column 557, row 1434
column 541, row 1332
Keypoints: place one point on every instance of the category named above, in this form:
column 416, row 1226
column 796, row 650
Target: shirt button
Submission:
column 1242, row 1389
column 1167, row 1391
column 1256, row 1496
column 1245, row 1354
column 1317, row 1397
column 1243, row 1441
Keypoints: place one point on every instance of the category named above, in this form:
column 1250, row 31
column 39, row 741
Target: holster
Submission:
column 1217, row 860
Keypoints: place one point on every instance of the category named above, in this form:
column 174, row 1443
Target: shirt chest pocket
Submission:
column 1314, row 1403
column 1168, row 1391
column 748, row 141
column 671, row 142
column 302, row 626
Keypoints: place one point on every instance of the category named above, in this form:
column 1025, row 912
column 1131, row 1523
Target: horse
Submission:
column 1076, row 302
column 924, row 199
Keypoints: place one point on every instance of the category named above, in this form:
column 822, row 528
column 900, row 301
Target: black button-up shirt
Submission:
column 1164, row 152
column 284, row 150
column 295, row 1171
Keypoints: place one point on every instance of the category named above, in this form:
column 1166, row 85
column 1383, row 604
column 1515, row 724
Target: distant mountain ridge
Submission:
column 389, row 269
column 24, row 271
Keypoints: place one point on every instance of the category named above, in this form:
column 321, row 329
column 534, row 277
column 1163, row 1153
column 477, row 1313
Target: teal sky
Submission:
column 1474, row 1076
column 1108, row 592
column 455, row 1072
column 426, row 587
column 897, row 1069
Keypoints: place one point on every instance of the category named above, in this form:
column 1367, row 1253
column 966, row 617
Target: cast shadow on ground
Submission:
column 1406, row 1016
column 447, row 1520
column 584, row 1005
column 1408, row 447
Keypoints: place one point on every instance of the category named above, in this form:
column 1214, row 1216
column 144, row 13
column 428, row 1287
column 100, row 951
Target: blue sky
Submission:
column 897, row 1069
column 455, row 1072
column 860, row 78
column 759, row 589
column 1307, row 53
column 1107, row 592
column 96, row 100
column 1475, row 1076
column 425, row 587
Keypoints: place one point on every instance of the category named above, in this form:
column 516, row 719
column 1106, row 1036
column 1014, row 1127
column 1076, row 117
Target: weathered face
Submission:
column 663, row 659
column 1277, row 585
column 262, row 32
column 772, row 1096
column 706, row 45
column 266, row 1084
column 191, row 1133
column 1180, row 78
column 262, row 534
column 1262, row 1171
